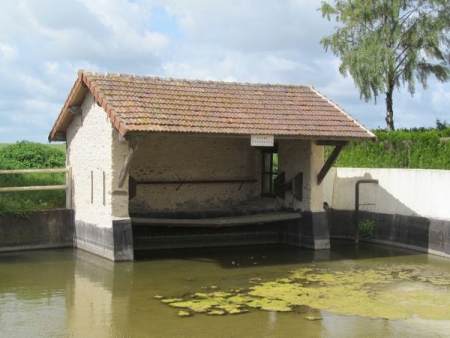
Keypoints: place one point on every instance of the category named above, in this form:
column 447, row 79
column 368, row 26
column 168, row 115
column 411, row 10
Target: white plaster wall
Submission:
column 93, row 147
column 188, row 157
column 400, row 191
column 304, row 156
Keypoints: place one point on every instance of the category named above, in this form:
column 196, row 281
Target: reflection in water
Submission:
column 90, row 310
column 70, row 293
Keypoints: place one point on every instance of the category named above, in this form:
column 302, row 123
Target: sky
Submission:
column 43, row 44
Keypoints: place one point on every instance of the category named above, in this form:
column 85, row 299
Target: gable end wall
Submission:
column 96, row 157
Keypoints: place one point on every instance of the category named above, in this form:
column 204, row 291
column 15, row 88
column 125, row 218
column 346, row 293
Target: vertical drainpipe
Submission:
column 356, row 223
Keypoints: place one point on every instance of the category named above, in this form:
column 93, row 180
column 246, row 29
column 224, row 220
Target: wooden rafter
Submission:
column 74, row 110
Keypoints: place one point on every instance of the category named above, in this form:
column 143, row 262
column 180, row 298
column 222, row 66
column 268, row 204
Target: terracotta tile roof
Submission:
column 138, row 104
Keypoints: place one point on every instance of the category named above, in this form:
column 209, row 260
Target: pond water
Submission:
column 275, row 291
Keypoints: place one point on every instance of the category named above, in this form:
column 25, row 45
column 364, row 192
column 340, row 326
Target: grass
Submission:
column 28, row 155
column 21, row 203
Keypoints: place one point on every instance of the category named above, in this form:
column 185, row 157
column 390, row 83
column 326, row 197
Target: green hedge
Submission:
column 29, row 155
column 415, row 148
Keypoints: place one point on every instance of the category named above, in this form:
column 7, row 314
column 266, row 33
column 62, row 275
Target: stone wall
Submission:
column 306, row 157
column 96, row 156
column 186, row 157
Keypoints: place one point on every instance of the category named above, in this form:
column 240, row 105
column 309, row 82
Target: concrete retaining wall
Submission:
column 407, row 208
column 39, row 230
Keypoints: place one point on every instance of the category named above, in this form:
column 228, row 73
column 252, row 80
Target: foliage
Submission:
column 384, row 44
column 28, row 155
column 366, row 228
column 415, row 148
column 442, row 125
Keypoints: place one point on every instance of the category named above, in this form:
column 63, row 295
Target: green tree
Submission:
column 384, row 44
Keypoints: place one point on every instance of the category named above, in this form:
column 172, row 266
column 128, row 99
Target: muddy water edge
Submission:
column 255, row 291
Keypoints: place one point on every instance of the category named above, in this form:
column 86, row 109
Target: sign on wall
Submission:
column 262, row 140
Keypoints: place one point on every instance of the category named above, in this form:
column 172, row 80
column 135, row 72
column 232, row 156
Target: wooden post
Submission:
column 134, row 142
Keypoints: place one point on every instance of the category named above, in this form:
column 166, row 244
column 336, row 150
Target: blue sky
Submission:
column 43, row 43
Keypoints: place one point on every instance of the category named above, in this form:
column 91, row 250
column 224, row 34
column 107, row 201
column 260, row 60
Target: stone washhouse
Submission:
column 166, row 163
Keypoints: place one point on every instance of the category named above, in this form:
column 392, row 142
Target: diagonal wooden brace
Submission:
column 134, row 142
column 330, row 161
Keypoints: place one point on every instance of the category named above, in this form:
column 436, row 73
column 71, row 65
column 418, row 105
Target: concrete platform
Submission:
column 218, row 221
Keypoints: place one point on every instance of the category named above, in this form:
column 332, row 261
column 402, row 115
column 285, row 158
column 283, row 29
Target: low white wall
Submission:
column 399, row 191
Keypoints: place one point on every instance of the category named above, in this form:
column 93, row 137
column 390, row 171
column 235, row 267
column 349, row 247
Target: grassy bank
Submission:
column 28, row 155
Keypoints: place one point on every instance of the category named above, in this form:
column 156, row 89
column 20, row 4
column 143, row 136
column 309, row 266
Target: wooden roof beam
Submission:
column 330, row 161
column 331, row 143
column 134, row 142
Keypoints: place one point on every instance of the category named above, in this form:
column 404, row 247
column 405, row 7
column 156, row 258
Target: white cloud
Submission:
column 263, row 25
column 441, row 98
column 8, row 52
column 51, row 67
column 114, row 30
column 43, row 43
column 37, row 106
column 35, row 86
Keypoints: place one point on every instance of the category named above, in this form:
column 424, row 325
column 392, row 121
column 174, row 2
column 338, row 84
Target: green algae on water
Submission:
column 384, row 292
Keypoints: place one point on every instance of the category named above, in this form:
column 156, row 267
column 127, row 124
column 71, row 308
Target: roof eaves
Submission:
column 103, row 102
column 370, row 134
column 64, row 114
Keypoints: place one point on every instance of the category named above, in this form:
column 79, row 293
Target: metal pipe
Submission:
column 356, row 218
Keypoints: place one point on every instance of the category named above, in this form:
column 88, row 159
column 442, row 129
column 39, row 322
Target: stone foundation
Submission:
column 114, row 243
column 311, row 231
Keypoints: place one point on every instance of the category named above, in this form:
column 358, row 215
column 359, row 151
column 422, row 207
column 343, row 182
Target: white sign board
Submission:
column 262, row 141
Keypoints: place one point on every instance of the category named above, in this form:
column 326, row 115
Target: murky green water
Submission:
column 370, row 291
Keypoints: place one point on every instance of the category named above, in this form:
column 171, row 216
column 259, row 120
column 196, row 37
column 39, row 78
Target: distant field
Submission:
column 60, row 146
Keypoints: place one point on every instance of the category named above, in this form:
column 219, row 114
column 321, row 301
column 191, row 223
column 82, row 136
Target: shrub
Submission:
column 366, row 228
column 414, row 148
